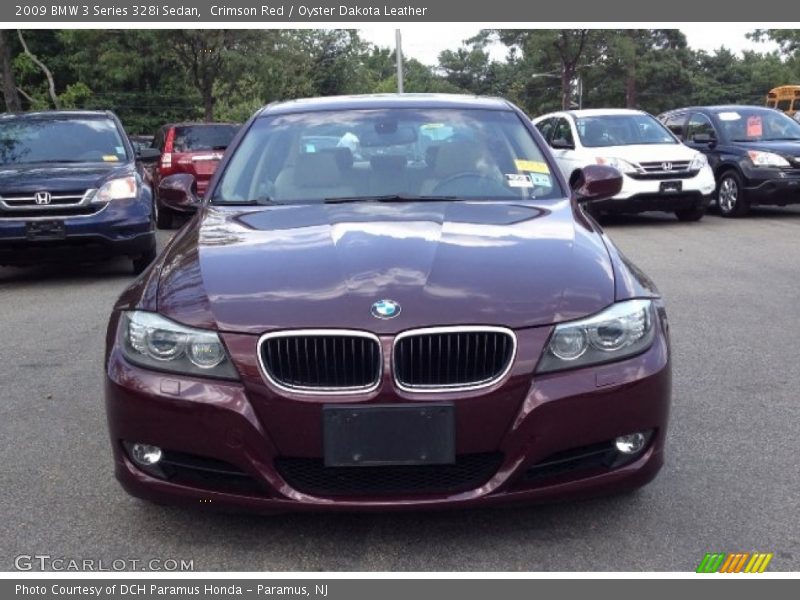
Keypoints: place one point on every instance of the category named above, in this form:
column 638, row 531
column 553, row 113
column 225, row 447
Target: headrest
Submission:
column 342, row 155
column 458, row 157
column 317, row 169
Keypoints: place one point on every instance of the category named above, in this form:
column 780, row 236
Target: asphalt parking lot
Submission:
column 731, row 482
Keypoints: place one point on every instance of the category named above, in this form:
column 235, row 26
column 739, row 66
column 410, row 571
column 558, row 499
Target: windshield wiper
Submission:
column 251, row 202
column 779, row 139
column 388, row 198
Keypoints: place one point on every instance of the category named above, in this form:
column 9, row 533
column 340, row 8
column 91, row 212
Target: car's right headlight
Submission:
column 767, row 159
column 150, row 340
column 622, row 330
column 620, row 164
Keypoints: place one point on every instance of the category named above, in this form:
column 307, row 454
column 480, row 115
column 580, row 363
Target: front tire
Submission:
column 140, row 263
column 688, row 215
column 730, row 195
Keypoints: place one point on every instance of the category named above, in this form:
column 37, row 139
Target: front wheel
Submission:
column 730, row 195
column 140, row 263
column 688, row 215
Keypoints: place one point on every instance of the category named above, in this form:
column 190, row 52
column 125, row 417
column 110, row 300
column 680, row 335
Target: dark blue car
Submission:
column 71, row 189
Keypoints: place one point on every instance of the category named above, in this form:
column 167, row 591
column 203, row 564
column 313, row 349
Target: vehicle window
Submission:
column 545, row 127
column 158, row 140
column 470, row 154
column 771, row 103
column 700, row 124
column 783, row 104
column 675, row 123
column 30, row 140
column 622, row 130
column 195, row 138
column 562, row 131
column 745, row 124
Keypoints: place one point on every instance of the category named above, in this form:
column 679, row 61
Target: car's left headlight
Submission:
column 150, row 340
column 120, row 188
column 622, row 330
column 767, row 159
column 698, row 162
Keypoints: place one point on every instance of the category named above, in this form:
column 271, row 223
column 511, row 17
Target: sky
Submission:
column 425, row 45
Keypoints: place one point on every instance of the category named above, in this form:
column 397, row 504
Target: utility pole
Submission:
column 399, row 54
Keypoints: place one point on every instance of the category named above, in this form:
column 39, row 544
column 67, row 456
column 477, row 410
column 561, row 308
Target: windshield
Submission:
column 757, row 125
column 386, row 154
column 622, row 130
column 60, row 140
column 203, row 137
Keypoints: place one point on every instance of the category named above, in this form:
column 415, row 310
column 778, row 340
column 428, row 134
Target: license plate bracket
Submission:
column 388, row 434
column 671, row 187
column 45, row 230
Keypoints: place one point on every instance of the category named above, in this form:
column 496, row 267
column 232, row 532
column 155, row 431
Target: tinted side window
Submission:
column 204, row 137
column 784, row 104
column 675, row 123
column 699, row 123
column 562, row 131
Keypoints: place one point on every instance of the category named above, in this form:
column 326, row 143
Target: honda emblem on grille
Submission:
column 385, row 309
column 667, row 166
column 42, row 197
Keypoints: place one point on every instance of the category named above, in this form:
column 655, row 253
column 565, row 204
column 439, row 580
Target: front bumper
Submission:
column 640, row 195
column 120, row 228
column 772, row 187
column 242, row 432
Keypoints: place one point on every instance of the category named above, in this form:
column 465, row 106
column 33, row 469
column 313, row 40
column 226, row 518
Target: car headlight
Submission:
column 150, row 340
column 117, row 189
column 767, row 159
column 621, row 165
column 622, row 330
column 698, row 162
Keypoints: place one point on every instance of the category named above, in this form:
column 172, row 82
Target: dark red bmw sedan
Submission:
column 387, row 302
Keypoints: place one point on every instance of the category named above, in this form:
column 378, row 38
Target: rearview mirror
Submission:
column 148, row 155
column 703, row 138
column 597, row 182
column 562, row 144
column 179, row 193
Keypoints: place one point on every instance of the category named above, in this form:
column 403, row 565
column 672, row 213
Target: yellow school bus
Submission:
column 785, row 98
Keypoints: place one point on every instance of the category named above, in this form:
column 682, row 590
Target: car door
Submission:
column 701, row 135
column 562, row 145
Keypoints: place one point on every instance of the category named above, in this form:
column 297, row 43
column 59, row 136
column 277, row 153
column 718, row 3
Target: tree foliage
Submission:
column 150, row 77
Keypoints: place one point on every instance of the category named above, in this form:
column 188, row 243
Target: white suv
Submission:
column 659, row 172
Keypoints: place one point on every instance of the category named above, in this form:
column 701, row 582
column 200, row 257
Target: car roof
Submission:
column 199, row 124
column 367, row 101
column 604, row 112
column 59, row 114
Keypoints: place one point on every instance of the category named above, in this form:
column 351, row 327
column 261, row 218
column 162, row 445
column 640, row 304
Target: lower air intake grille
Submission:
column 322, row 360
column 441, row 358
column 311, row 476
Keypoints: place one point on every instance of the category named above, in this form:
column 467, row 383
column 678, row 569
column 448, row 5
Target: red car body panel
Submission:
column 246, row 271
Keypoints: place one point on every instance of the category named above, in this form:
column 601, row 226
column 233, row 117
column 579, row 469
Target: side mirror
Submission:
column 179, row 193
column 562, row 144
column 148, row 155
column 703, row 138
column 597, row 182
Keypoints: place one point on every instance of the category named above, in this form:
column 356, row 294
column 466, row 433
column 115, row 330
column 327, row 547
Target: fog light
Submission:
column 145, row 455
column 633, row 443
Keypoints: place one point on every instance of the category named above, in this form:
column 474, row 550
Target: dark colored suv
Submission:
column 754, row 152
column 193, row 148
column 71, row 188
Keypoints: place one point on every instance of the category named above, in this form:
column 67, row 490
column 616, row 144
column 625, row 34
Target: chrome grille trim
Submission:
column 458, row 387
column 58, row 201
column 317, row 390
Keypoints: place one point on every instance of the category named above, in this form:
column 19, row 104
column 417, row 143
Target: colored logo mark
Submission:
column 736, row 562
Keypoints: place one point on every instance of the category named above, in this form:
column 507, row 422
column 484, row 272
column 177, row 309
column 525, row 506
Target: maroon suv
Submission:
column 193, row 148
column 387, row 302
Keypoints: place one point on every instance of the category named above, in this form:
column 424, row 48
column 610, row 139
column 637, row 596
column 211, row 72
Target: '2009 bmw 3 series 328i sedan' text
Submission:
column 387, row 302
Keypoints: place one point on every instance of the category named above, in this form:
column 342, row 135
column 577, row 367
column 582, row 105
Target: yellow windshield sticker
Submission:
column 110, row 158
column 532, row 166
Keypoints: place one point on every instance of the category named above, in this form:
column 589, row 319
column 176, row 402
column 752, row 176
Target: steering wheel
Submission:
column 472, row 182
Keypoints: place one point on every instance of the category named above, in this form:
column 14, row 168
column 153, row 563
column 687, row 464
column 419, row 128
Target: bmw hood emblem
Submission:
column 385, row 309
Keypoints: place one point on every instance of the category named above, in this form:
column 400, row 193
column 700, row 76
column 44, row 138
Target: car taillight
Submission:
column 166, row 156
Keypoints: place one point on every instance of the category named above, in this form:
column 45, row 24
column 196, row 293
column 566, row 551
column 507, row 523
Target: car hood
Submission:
column 647, row 152
column 57, row 177
column 445, row 263
column 784, row 147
